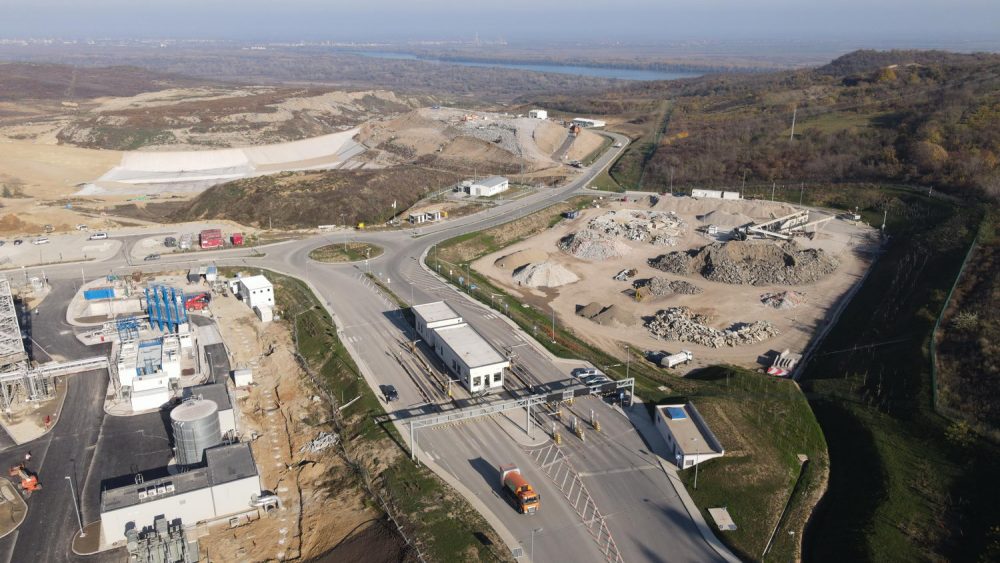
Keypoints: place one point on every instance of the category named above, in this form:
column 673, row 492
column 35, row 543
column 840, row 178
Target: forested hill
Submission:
column 920, row 117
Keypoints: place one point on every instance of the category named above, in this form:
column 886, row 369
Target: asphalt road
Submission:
column 643, row 513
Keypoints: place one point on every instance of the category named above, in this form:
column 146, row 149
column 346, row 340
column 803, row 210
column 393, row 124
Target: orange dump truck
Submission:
column 525, row 499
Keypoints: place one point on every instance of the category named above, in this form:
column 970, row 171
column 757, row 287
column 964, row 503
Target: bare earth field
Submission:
column 723, row 304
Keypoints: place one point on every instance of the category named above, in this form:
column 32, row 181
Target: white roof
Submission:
column 491, row 181
column 468, row 345
column 436, row 311
column 256, row 282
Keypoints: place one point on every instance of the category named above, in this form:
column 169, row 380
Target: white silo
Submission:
column 196, row 427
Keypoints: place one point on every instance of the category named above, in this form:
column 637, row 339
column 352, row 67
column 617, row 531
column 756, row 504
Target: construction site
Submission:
column 730, row 280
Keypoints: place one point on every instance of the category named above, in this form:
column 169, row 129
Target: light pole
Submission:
column 531, row 548
column 79, row 519
column 553, row 325
column 210, row 370
column 627, row 358
column 694, row 441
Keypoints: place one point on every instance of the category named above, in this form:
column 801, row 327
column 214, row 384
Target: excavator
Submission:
column 29, row 480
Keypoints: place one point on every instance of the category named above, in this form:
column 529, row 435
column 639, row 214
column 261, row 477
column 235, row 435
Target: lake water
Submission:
column 595, row 71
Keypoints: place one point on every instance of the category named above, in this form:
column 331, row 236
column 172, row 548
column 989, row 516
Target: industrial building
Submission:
column 149, row 370
column 463, row 350
column 588, row 123
column 714, row 194
column 689, row 438
column 427, row 217
column 488, row 186
column 225, row 485
column 538, row 114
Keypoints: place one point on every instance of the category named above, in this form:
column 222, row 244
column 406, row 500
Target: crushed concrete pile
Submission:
column 679, row 323
column 613, row 315
column 658, row 227
column 593, row 245
column 751, row 263
column 782, row 299
column 520, row 258
column 322, row 441
column 664, row 286
column 544, row 274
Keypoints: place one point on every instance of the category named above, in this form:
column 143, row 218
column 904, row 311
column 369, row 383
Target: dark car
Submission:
column 152, row 257
column 170, row 242
column 389, row 393
column 18, row 242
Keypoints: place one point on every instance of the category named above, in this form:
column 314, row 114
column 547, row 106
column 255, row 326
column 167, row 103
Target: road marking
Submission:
column 617, row 471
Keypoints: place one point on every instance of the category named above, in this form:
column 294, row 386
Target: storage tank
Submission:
column 196, row 427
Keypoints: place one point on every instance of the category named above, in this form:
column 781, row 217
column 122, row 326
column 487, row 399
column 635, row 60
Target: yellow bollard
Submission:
column 557, row 437
column 597, row 425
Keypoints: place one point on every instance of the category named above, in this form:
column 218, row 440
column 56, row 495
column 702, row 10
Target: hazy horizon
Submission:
column 918, row 23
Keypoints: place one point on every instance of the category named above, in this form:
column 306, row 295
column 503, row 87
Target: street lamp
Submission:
column 694, row 440
column 531, row 549
column 210, row 370
column 628, row 357
column 79, row 519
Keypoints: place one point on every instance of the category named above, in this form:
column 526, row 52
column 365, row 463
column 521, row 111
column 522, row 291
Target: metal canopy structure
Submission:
column 526, row 403
column 12, row 353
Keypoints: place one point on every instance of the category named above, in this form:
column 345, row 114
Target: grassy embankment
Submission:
column 758, row 475
column 628, row 171
column 349, row 252
column 444, row 526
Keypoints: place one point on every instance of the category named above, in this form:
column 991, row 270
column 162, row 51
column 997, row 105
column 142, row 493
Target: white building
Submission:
column 588, row 123
column 478, row 365
column 256, row 291
column 430, row 316
column 243, row 377
column 689, row 438
column 225, row 486
column 489, row 186
column 538, row 114
column 714, row 194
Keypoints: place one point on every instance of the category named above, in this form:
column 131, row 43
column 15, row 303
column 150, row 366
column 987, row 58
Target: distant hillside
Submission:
column 305, row 200
column 22, row 81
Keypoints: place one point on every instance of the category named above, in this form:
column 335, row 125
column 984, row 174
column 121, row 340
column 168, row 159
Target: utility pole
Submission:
column 802, row 188
column 795, row 110
column 553, row 324
column 773, row 184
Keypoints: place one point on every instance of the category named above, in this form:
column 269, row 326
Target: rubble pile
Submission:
column 664, row 286
column 782, row 299
column 751, row 263
column 544, row 274
column 658, row 227
column 593, row 245
column 679, row 323
column 501, row 132
column 322, row 441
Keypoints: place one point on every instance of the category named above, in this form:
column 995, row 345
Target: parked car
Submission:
column 3, row 242
column 49, row 228
column 98, row 236
column 170, row 242
column 40, row 240
column 81, row 227
column 18, row 242
column 596, row 379
column 583, row 373
column 152, row 257
column 389, row 392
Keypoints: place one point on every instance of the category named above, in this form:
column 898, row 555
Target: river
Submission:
column 595, row 71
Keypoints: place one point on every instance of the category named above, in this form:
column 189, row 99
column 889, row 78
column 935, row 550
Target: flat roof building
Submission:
column 463, row 350
column 489, row 186
column 586, row 122
column 224, row 486
column 686, row 433
column 538, row 114
column 258, row 293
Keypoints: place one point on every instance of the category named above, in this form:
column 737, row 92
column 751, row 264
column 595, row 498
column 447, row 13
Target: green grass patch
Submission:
column 764, row 424
column 348, row 252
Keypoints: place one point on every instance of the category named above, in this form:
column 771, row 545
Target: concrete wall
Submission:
column 191, row 507
column 234, row 497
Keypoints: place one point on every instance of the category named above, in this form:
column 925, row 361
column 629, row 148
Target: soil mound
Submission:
column 612, row 315
column 544, row 274
column 723, row 219
column 520, row 258
column 679, row 323
column 751, row 263
column 782, row 299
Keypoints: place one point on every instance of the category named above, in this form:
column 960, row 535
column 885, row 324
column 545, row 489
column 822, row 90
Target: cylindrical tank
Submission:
column 196, row 427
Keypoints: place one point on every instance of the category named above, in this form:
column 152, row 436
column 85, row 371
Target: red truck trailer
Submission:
column 236, row 239
column 210, row 238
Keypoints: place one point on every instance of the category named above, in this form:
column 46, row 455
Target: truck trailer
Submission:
column 524, row 497
column 210, row 238
column 673, row 360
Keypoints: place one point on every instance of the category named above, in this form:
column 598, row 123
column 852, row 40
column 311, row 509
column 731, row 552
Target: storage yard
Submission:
column 662, row 273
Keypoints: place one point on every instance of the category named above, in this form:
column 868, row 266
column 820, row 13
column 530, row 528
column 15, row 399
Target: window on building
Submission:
column 497, row 376
column 688, row 462
column 477, row 381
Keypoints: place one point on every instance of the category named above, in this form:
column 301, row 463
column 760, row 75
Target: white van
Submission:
column 98, row 236
column 40, row 240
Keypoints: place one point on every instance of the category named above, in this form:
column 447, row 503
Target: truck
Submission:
column 681, row 357
column 29, row 481
column 516, row 487
column 236, row 239
column 784, row 364
column 210, row 238
column 185, row 242
column 197, row 301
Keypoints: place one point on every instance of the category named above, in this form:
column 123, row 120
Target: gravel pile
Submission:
column 679, row 323
column 544, row 274
column 593, row 245
column 640, row 226
column 664, row 286
column 782, row 299
column 751, row 263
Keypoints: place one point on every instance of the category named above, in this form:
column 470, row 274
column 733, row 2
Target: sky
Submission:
column 866, row 21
